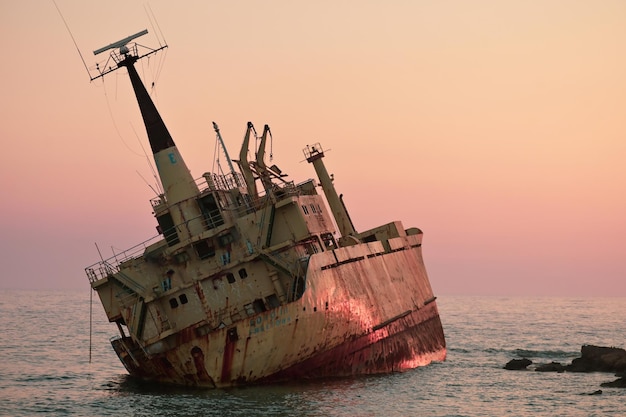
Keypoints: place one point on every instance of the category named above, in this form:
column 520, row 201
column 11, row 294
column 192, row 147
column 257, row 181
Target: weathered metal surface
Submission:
column 343, row 326
column 246, row 288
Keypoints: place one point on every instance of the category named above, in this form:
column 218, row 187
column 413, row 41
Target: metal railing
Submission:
column 111, row 265
column 209, row 220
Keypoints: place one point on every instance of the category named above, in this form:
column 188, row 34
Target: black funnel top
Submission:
column 158, row 134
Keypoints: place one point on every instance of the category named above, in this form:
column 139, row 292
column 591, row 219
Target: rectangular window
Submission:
column 204, row 249
column 226, row 239
column 272, row 301
column 259, row 306
column 167, row 227
column 210, row 211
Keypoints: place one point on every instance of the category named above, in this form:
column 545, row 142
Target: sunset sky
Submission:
column 497, row 127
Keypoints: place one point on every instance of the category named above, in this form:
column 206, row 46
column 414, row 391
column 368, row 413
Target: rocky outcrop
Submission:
column 517, row 364
column 592, row 359
column 599, row 359
column 618, row 383
column 550, row 367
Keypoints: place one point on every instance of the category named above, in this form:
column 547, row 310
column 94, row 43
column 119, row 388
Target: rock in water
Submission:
column 550, row 367
column 599, row 359
column 517, row 364
column 618, row 383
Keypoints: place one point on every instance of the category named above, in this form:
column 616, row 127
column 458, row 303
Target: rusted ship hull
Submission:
column 254, row 278
column 366, row 310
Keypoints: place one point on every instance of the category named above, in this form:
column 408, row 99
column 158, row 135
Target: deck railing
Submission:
column 208, row 182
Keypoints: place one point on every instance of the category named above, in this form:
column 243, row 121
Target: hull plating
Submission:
column 359, row 315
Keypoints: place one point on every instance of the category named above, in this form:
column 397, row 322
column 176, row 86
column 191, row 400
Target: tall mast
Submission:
column 178, row 184
column 179, row 187
column 314, row 155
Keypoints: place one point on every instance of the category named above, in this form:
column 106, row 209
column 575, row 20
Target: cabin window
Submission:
column 329, row 240
column 272, row 301
column 183, row 299
column 210, row 211
column 166, row 284
column 259, row 306
column 313, row 209
column 173, row 303
column 230, row 277
column 319, row 209
column 204, row 249
column 226, row 239
column 243, row 273
column 305, row 210
column 167, row 227
column 225, row 258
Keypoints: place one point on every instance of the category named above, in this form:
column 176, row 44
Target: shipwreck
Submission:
column 254, row 278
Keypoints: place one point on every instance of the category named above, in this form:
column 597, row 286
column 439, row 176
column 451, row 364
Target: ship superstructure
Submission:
column 254, row 278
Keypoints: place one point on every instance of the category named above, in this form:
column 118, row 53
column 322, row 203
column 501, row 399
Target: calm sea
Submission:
column 45, row 366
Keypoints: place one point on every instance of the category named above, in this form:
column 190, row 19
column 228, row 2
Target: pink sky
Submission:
column 497, row 127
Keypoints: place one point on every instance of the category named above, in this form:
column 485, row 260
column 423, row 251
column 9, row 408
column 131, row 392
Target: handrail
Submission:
column 111, row 265
column 212, row 182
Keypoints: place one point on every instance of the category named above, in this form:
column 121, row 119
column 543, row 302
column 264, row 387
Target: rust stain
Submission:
column 198, row 361
column 227, row 360
column 185, row 335
column 199, row 292
column 398, row 347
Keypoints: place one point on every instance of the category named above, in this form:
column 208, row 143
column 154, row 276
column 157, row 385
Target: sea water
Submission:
column 46, row 346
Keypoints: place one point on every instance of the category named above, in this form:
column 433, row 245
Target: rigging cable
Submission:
column 91, row 307
column 152, row 18
column 117, row 130
column 159, row 35
column 154, row 174
column 90, row 319
column 72, row 36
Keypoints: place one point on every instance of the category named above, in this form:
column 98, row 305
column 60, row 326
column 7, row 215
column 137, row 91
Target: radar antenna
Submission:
column 125, row 52
column 121, row 43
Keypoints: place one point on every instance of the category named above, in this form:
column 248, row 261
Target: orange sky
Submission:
column 497, row 127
